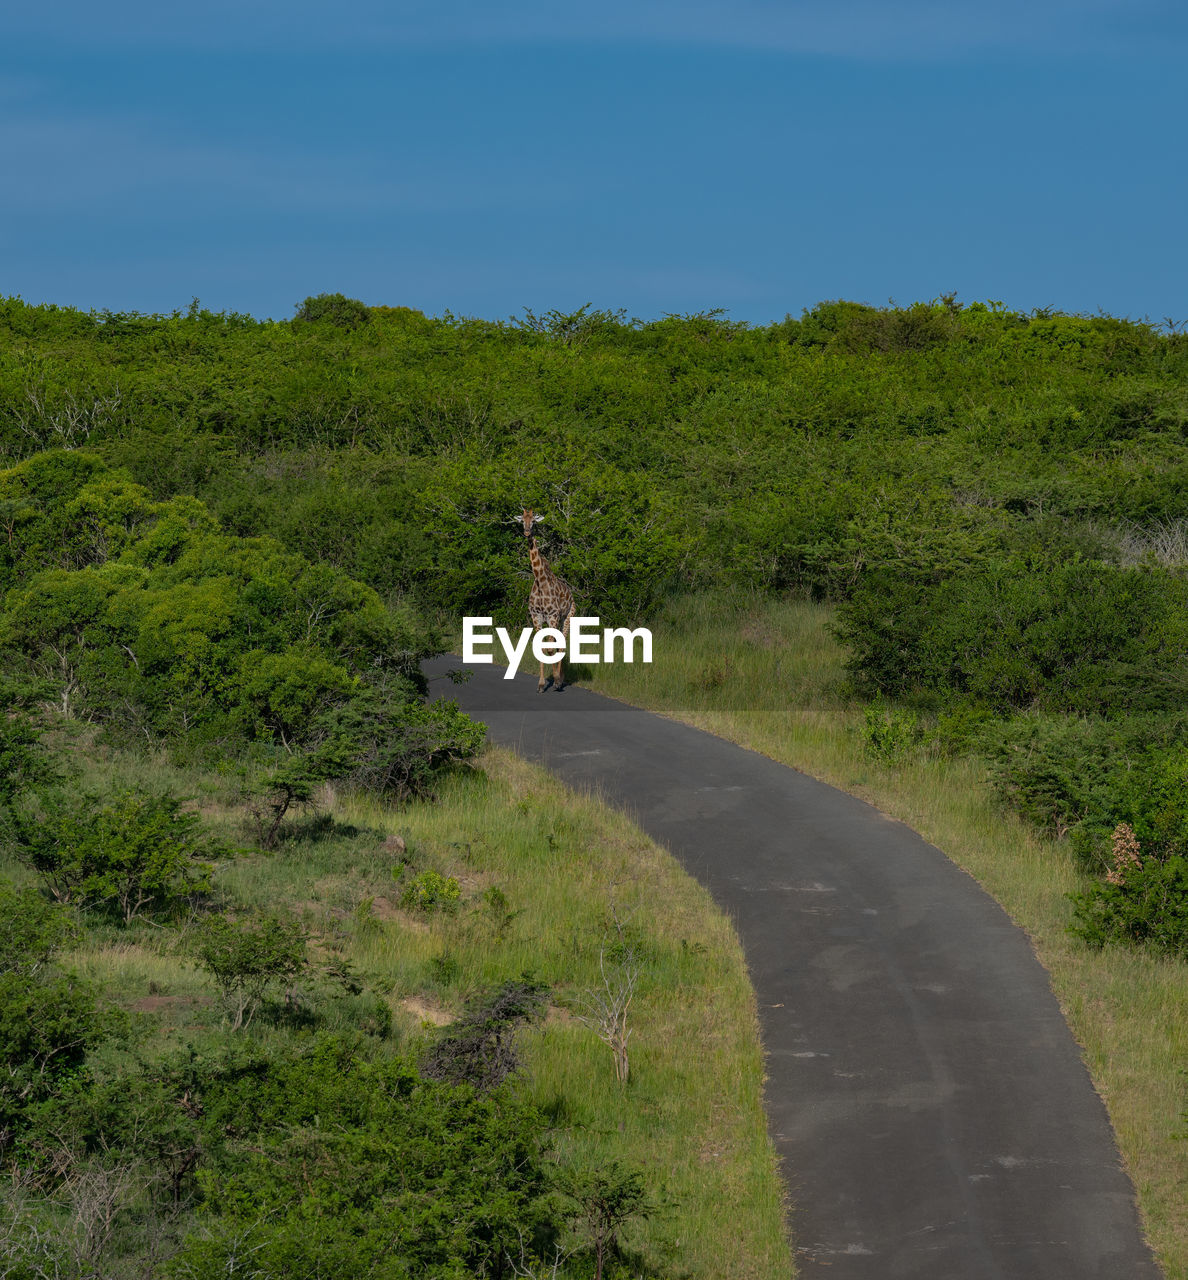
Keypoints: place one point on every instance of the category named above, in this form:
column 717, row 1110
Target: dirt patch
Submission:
column 426, row 1012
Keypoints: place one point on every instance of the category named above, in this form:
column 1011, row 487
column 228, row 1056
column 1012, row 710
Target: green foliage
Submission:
column 135, row 853
column 31, row 930
column 682, row 452
column 326, row 1163
column 1084, row 637
column 1148, row 907
column 216, row 534
column 1155, row 801
column 24, row 761
column 333, row 308
column 431, row 891
column 246, row 959
column 1082, row 776
column 166, row 629
column 47, row 1025
column 889, row 733
column 398, row 751
column 601, row 1201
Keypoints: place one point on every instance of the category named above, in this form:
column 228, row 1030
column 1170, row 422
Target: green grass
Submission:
column 769, row 675
column 691, row 1115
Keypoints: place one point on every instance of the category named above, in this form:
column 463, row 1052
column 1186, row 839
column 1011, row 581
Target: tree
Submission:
column 138, row 851
column 246, row 958
column 602, row 1201
column 334, row 308
column 479, row 1049
column 57, row 621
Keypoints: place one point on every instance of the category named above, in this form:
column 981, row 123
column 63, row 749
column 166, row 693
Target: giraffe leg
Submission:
column 559, row 669
column 542, row 684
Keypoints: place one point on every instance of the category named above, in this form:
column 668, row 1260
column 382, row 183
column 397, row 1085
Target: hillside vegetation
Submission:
column 226, row 544
column 1000, row 501
column 677, row 453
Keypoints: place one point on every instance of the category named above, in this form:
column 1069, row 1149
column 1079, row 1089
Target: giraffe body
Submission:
column 550, row 602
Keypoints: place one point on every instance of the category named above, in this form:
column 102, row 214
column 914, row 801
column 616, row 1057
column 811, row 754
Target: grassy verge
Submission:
column 575, row 878
column 769, row 676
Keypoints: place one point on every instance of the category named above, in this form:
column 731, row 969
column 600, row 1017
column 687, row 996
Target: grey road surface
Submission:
column 931, row 1109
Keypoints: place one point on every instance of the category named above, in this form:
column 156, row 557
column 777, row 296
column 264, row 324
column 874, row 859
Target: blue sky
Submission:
column 654, row 156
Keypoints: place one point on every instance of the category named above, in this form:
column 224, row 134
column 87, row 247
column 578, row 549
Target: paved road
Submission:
column 929, row 1103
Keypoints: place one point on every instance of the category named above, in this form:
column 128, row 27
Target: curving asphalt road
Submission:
column 930, row 1106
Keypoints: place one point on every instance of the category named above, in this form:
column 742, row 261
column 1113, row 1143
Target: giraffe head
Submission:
column 529, row 519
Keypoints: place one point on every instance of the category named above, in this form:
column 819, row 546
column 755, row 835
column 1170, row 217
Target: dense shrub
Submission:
column 169, row 630
column 31, row 929
column 889, row 733
column 249, row 958
column 688, row 451
column 334, row 308
column 48, row 1024
column 135, row 852
column 431, row 891
column 1145, row 904
column 479, row 1049
column 325, row 1163
column 1083, row 637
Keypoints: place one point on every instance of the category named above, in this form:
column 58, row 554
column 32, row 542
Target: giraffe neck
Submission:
column 540, row 570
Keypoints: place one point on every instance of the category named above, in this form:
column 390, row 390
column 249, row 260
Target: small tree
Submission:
column 601, row 1202
column 31, row 930
column 479, row 1049
column 334, row 308
column 247, row 958
column 139, row 851
column 604, row 1008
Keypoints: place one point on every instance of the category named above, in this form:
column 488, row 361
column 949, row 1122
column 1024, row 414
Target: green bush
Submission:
column 25, row 762
column 889, row 733
column 1148, row 906
column 431, row 891
column 135, row 853
column 162, row 627
column 1083, row 637
column 333, row 308
column 247, row 959
column 1081, row 776
column 1155, row 801
column 48, row 1025
column 326, row 1163
column 31, row 929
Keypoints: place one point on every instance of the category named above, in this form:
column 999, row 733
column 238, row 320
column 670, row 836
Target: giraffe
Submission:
column 550, row 602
